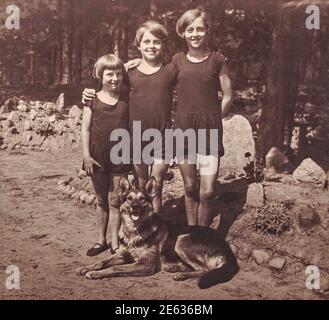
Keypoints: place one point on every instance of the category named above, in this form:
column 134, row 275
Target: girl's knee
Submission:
column 102, row 201
column 207, row 195
column 191, row 188
column 114, row 200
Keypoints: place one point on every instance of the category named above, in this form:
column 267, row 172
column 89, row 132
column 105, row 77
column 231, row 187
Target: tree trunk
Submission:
column 67, row 33
column 124, row 44
column 288, row 51
column 3, row 71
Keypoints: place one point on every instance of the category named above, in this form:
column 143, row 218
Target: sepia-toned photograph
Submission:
column 164, row 150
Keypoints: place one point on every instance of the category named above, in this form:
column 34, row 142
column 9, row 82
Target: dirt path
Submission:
column 46, row 237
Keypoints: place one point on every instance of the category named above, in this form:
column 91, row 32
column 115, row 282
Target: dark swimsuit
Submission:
column 105, row 119
column 150, row 101
column 198, row 104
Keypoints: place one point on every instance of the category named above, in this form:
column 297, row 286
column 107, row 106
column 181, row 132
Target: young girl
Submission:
column 108, row 111
column 150, row 101
column 200, row 74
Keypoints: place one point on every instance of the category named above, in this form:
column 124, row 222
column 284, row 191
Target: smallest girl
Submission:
column 107, row 112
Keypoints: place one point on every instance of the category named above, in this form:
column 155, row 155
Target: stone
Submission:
column 260, row 256
column 309, row 171
column 75, row 112
column 52, row 118
column 11, row 146
column 50, row 107
column 13, row 116
column 37, row 140
column 38, row 105
column 82, row 196
column 90, row 199
column 60, row 102
column 71, row 124
column 10, row 105
column 255, row 195
column 277, row 263
column 276, row 161
column 75, row 195
column 307, row 216
column 71, row 192
column 66, row 190
column 27, row 126
column 22, row 107
column 13, row 130
column 82, row 174
column 33, row 114
column 237, row 140
column 244, row 252
column 29, row 137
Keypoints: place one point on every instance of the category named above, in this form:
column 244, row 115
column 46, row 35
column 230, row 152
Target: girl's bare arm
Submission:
column 226, row 85
column 85, row 140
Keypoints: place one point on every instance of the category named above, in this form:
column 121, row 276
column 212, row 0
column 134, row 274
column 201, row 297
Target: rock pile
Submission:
column 39, row 125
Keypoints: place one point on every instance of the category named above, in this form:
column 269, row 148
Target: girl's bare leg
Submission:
column 208, row 168
column 190, row 179
column 141, row 171
column 114, row 204
column 158, row 172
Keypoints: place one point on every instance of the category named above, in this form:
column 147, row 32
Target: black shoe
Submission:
column 96, row 249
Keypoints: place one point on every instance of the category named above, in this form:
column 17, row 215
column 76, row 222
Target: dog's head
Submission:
column 136, row 202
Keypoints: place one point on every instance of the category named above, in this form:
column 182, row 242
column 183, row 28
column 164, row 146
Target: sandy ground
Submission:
column 47, row 236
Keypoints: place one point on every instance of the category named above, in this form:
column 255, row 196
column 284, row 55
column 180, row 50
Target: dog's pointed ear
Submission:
column 124, row 187
column 150, row 187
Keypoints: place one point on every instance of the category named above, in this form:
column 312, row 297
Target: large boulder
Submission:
column 14, row 117
column 60, row 102
column 309, row 171
column 75, row 112
column 10, row 105
column 237, row 140
column 276, row 161
column 50, row 108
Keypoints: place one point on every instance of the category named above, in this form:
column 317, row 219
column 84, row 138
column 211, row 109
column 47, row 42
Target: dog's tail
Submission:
column 220, row 275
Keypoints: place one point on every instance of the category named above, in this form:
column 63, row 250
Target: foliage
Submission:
column 272, row 219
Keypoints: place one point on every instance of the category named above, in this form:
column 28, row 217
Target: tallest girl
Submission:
column 201, row 73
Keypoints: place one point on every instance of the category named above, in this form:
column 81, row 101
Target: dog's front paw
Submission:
column 92, row 275
column 180, row 277
column 81, row 271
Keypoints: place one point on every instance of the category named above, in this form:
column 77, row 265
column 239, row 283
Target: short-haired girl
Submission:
column 109, row 111
column 200, row 75
column 150, row 101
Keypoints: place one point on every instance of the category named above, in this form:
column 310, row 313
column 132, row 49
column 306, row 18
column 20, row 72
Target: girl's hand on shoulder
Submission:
column 88, row 95
column 131, row 64
column 89, row 163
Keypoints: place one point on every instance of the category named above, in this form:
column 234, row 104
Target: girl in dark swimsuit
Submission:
column 107, row 112
column 200, row 75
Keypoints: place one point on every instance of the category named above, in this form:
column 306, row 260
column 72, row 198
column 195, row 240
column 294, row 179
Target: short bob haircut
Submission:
column 107, row 62
column 153, row 27
column 188, row 17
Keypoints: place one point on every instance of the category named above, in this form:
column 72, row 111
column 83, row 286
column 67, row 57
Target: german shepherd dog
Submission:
column 146, row 245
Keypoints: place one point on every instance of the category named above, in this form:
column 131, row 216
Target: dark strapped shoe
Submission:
column 96, row 249
column 113, row 251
